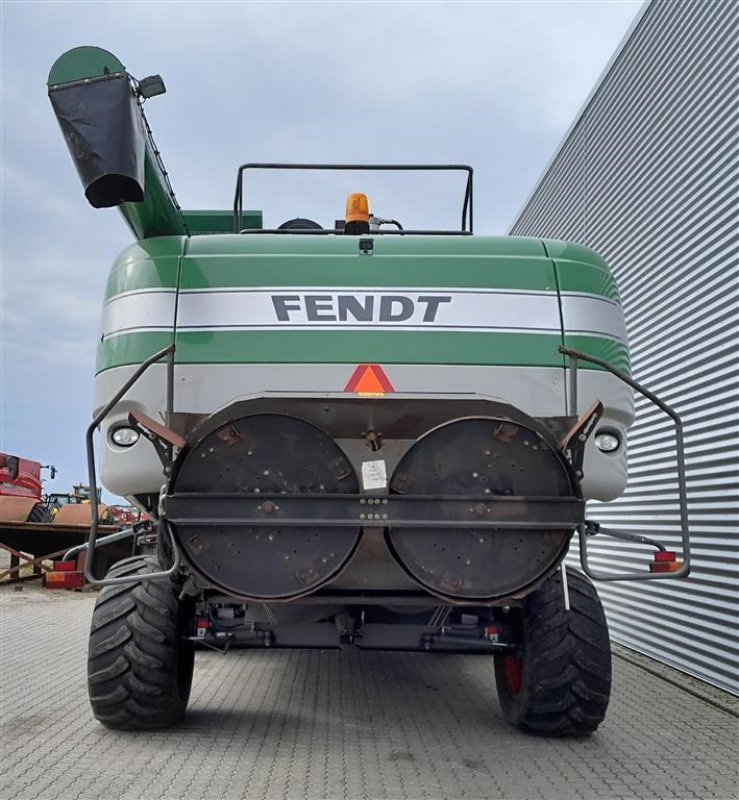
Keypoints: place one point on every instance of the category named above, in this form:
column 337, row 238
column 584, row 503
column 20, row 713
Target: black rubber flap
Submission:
column 102, row 126
column 486, row 458
column 266, row 453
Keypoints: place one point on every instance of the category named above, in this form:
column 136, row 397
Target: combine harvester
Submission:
column 357, row 435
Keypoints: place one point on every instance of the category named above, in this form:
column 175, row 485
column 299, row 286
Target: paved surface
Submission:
column 313, row 724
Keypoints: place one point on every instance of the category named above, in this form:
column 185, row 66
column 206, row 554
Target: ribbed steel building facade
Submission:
column 648, row 176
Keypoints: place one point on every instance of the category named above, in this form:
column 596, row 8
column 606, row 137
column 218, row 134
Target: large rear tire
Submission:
column 39, row 513
column 559, row 683
column 140, row 663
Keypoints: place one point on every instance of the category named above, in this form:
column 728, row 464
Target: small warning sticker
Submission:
column 374, row 475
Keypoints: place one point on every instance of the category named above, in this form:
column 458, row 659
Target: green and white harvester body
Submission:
column 360, row 435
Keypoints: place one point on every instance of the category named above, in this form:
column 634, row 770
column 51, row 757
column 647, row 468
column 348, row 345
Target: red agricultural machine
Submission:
column 38, row 529
column 20, row 490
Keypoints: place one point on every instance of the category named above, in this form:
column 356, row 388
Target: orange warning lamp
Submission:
column 357, row 214
column 357, row 208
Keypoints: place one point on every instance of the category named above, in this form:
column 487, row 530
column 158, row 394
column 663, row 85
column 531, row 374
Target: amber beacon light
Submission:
column 357, row 213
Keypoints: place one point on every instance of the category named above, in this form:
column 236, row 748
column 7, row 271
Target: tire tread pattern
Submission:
column 139, row 665
column 39, row 513
column 566, row 679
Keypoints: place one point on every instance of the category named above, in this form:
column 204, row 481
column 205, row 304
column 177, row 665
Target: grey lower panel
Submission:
column 203, row 389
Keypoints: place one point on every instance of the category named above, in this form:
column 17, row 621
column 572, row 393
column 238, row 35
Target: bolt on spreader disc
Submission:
column 256, row 455
column 490, row 459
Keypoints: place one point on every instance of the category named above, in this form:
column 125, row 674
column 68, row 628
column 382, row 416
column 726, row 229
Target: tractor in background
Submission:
column 119, row 514
column 38, row 529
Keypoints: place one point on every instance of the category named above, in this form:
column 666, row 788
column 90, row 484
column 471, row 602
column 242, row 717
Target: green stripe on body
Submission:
column 233, row 262
column 609, row 350
column 407, row 244
column 580, row 269
column 356, row 347
column 574, row 276
column 329, row 271
column 149, row 264
column 130, row 349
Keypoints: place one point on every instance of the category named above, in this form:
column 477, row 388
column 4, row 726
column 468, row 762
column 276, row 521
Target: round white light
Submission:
column 607, row 442
column 124, row 436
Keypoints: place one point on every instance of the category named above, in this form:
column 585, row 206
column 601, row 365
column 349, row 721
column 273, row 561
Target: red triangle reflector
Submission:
column 369, row 379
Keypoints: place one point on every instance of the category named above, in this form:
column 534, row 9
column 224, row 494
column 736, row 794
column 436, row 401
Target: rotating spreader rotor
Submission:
column 495, row 459
column 274, row 456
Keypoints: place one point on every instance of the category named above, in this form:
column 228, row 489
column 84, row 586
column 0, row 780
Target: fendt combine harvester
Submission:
column 359, row 435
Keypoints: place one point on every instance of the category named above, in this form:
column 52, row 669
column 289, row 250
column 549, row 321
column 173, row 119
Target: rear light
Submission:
column 665, row 561
column 65, row 575
column 491, row 633
column 124, row 436
column 607, row 442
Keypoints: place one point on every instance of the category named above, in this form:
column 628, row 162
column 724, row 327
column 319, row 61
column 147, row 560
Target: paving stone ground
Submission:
column 336, row 724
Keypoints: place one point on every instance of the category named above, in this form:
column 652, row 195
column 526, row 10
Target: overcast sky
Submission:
column 494, row 85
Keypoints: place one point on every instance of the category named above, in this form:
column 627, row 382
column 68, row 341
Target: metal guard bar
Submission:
column 126, row 533
column 201, row 509
column 90, row 576
column 467, row 218
column 684, row 571
column 339, row 232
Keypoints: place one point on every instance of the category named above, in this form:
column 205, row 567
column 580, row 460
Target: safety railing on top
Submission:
column 467, row 221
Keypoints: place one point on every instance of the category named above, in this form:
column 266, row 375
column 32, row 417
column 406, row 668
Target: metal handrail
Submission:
column 466, row 203
column 684, row 570
column 90, row 576
column 126, row 533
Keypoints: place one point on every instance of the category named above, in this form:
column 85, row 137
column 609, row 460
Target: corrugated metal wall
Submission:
column 649, row 176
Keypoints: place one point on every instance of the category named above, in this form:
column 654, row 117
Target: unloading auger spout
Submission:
column 99, row 107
